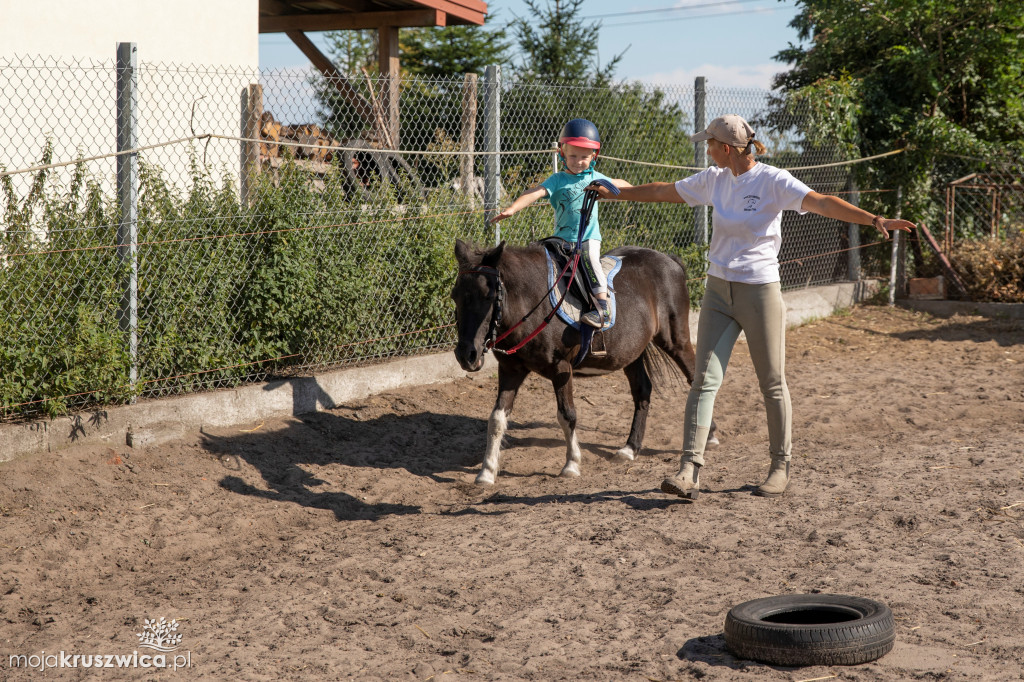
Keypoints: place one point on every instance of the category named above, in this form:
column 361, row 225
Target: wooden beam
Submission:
column 349, row 5
column 283, row 8
column 333, row 76
column 467, row 138
column 252, row 114
column 273, row 7
column 387, row 55
column 345, row 22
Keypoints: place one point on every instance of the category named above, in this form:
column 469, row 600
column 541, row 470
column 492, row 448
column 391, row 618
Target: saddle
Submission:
column 577, row 300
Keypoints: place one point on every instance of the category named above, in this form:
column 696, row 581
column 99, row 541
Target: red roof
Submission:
column 332, row 15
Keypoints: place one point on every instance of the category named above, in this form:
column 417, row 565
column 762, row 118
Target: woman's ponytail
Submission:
column 756, row 144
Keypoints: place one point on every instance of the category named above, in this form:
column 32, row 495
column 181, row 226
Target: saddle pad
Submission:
column 572, row 308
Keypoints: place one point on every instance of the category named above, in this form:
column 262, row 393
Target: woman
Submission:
column 743, row 290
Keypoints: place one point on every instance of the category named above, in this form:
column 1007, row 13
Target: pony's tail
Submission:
column 666, row 376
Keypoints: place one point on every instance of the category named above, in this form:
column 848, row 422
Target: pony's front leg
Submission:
column 509, row 381
column 567, row 419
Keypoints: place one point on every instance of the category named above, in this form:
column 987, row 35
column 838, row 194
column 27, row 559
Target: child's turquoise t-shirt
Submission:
column 565, row 192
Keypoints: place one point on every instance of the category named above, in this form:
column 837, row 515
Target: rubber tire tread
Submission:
column 850, row 642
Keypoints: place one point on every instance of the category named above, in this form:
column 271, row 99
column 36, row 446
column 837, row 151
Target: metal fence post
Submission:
column 901, row 250
column 853, row 236
column 894, row 258
column 128, row 199
column 492, row 143
column 700, row 213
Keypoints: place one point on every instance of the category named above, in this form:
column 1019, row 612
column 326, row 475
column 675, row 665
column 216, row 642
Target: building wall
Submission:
column 207, row 32
column 57, row 80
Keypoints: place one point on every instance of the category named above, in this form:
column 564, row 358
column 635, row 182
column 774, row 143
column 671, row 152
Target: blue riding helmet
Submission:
column 580, row 132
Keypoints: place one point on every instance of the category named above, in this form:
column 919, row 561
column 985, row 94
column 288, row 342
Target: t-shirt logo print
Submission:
column 751, row 202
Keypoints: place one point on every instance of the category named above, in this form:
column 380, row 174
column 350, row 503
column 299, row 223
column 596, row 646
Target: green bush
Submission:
column 226, row 293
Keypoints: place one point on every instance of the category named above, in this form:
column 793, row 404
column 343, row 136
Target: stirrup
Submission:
column 594, row 350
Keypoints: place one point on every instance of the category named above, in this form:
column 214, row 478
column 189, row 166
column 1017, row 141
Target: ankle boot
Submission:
column 684, row 484
column 778, row 478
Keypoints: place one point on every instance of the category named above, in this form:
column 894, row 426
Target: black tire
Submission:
column 810, row 629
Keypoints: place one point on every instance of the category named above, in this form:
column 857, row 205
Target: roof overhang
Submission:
column 279, row 16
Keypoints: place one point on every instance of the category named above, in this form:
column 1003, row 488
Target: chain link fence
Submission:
column 169, row 229
column 983, row 205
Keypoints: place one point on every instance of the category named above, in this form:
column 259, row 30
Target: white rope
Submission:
column 789, row 168
column 847, row 163
column 395, row 151
column 104, row 156
column 655, row 165
column 374, row 149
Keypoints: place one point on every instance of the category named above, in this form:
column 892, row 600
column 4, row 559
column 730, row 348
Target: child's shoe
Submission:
column 599, row 317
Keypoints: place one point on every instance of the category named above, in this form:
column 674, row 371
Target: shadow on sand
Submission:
column 424, row 444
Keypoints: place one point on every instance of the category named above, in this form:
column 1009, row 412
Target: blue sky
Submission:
column 665, row 41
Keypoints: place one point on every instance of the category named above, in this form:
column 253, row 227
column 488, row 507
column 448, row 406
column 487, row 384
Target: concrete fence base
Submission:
column 156, row 421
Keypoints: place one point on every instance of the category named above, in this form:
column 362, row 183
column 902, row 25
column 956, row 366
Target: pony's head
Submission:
column 477, row 295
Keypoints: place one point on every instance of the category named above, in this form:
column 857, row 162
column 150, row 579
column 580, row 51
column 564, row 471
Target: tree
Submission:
column 444, row 52
column 427, row 53
column 353, row 51
column 558, row 46
column 941, row 79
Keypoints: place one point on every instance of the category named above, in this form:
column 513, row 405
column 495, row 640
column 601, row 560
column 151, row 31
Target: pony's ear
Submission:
column 465, row 252
column 493, row 256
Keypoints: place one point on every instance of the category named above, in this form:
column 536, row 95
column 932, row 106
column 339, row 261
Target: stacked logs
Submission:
column 312, row 143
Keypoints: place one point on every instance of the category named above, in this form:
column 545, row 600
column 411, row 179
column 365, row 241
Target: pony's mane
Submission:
column 477, row 252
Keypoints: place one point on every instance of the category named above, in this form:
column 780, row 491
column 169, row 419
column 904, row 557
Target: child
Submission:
column 578, row 147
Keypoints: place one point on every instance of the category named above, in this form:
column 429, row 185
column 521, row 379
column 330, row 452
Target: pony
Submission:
column 502, row 293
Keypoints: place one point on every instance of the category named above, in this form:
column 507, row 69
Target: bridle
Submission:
column 490, row 343
column 496, row 307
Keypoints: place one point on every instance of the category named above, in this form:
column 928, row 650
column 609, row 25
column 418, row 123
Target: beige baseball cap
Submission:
column 730, row 129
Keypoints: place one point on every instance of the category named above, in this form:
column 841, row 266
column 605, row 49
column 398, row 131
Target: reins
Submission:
column 490, row 343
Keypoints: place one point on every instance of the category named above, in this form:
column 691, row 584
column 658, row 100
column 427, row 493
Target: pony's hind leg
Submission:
column 567, row 420
column 509, row 381
column 640, row 387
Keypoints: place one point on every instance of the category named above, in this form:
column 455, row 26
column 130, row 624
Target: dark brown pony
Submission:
column 497, row 287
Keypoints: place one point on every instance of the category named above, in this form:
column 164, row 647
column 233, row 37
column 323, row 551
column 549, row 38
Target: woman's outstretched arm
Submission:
column 652, row 191
column 834, row 207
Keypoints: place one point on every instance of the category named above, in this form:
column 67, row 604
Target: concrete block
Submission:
column 926, row 288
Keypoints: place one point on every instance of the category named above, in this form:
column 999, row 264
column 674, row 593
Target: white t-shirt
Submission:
column 747, row 220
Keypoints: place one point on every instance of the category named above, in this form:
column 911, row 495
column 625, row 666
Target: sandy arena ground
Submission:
column 353, row 543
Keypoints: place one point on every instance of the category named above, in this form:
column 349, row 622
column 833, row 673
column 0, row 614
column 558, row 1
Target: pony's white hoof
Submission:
column 569, row 472
column 624, row 454
column 485, row 478
column 713, row 442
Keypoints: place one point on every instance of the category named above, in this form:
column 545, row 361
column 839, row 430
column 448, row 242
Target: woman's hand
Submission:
column 602, row 191
column 887, row 224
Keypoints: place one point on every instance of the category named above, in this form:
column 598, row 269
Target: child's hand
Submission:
column 507, row 213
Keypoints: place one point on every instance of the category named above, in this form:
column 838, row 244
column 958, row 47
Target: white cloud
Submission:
column 756, row 76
